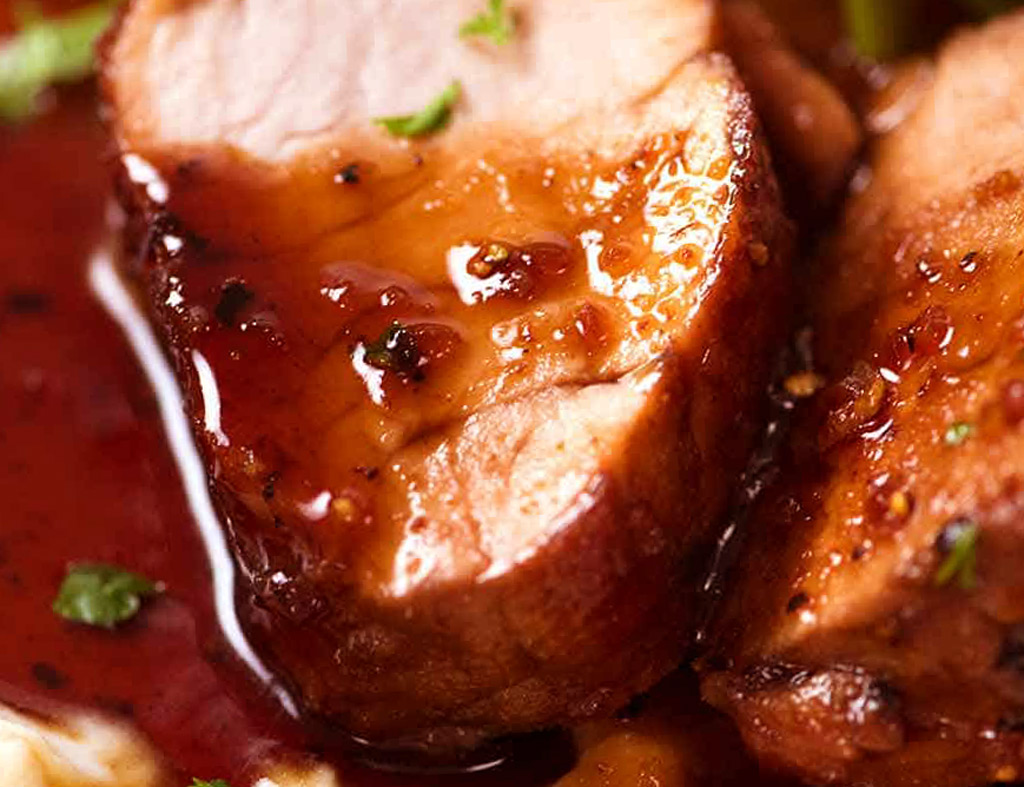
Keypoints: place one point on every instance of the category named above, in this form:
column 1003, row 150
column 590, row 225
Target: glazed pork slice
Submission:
column 472, row 404
column 875, row 633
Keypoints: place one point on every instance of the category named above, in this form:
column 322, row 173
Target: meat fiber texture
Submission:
column 874, row 633
column 472, row 404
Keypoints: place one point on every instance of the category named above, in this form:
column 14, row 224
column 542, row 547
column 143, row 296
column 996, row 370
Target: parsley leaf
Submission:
column 431, row 118
column 958, row 432
column 48, row 51
column 214, row 783
column 959, row 541
column 102, row 595
column 495, row 23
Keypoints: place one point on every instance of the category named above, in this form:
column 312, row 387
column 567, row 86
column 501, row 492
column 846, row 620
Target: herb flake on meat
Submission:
column 431, row 118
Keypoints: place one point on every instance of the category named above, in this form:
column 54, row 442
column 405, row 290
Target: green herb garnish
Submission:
column 431, row 118
column 496, row 23
column 214, row 783
column 958, row 432
column 396, row 350
column 48, row 51
column 959, row 541
column 102, row 595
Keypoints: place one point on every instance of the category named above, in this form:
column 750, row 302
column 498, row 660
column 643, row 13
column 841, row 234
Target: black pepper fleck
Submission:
column 234, row 297
column 1011, row 654
column 26, row 302
column 48, row 675
column 348, row 174
column 268, row 486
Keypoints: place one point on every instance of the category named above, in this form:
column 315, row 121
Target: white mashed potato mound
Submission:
column 88, row 751
column 79, row 752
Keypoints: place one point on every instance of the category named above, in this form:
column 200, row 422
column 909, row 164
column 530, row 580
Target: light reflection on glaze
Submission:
column 144, row 174
column 317, row 508
column 118, row 302
column 211, row 398
column 471, row 289
column 372, row 377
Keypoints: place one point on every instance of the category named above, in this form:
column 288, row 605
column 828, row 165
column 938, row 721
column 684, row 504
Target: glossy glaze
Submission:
column 288, row 343
column 847, row 618
column 459, row 400
column 87, row 475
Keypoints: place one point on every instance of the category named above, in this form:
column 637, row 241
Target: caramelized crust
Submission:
column 873, row 636
column 472, row 406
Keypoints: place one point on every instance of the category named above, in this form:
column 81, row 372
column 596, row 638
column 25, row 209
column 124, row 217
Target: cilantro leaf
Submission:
column 102, row 595
column 48, row 51
column 431, row 118
column 214, row 783
column 959, row 541
column 495, row 23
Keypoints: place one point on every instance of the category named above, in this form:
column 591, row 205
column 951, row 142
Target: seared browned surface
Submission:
column 849, row 650
column 815, row 136
column 500, row 523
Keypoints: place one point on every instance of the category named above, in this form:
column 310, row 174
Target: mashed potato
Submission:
column 80, row 752
column 87, row 751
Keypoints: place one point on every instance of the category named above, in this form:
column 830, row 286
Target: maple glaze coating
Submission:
column 471, row 415
column 851, row 648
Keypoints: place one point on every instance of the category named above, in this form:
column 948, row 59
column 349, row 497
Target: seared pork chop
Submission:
column 875, row 636
column 472, row 404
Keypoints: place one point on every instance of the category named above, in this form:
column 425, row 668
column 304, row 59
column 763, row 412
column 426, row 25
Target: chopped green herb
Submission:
column 395, row 350
column 214, row 783
column 496, row 23
column 958, row 541
column 102, row 595
column 879, row 29
column 431, row 118
column 48, row 51
column 958, row 432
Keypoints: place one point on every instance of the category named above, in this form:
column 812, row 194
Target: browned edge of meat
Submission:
column 815, row 135
column 647, row 435
column 874, row 633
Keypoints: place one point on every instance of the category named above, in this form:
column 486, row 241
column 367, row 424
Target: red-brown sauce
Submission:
column 87, row 476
